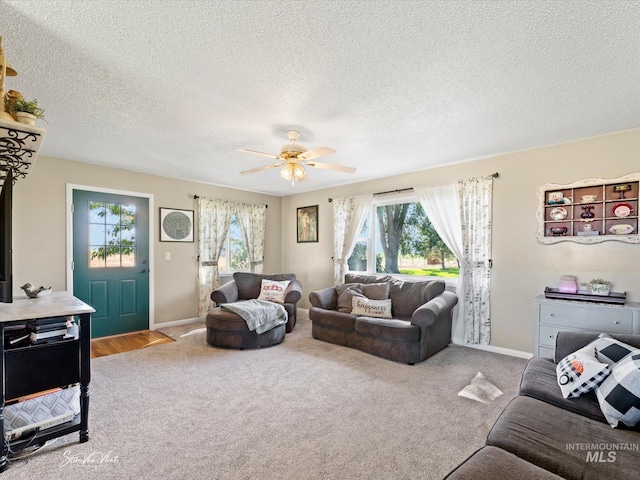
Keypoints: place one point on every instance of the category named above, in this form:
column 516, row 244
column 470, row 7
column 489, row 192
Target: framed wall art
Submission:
column 176, row 225
column 307, row 222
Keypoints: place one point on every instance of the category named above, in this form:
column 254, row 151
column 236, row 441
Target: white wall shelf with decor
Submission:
column 553, row 316
column 588, row 211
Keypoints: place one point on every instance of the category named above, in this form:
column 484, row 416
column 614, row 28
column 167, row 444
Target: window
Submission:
column 398, row 238
column 112, row 234
column 234, row 256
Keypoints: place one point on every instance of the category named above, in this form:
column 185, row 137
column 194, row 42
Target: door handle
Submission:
column 144, row 270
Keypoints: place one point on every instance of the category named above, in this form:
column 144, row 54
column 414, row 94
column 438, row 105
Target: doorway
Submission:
column 111, row 252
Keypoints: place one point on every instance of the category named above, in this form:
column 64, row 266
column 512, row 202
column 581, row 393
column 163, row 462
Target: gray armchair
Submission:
column 246, row 286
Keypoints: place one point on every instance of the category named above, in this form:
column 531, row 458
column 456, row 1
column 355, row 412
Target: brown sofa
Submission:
column 542, row 435
column 420, row 327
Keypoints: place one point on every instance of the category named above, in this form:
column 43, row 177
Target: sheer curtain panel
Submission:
column 441, row 203
column 349, row 215
column 252, row 220
column 475, row 201
column 214, row 218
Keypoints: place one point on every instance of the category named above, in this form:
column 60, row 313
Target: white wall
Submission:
column 522, row 267
column 39, row 235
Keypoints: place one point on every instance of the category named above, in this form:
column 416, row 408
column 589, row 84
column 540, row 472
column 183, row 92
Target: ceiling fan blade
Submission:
column 259, row 169
column 330, row 166
column 315, row 153
column 255, row 152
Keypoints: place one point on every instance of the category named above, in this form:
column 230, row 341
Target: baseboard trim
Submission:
column 176, row 322
column 500, row 350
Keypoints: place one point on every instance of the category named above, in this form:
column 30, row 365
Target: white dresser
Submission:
column 553, row 316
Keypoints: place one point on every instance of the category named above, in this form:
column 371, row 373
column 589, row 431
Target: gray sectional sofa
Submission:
column 541, row 435
column 420, row 325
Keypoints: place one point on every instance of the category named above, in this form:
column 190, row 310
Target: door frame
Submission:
column 69, row 225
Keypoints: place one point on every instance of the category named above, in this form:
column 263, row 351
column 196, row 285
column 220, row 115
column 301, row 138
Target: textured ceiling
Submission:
column 175, row 88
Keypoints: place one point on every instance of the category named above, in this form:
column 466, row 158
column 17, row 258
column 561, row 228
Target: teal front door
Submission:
column 111, row 260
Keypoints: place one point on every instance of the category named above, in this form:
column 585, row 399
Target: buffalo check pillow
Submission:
column 609, row 350
column 619, row 394
column 580, row 372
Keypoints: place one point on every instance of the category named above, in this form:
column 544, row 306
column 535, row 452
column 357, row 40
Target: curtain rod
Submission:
column 493, row 175
column 195, row 197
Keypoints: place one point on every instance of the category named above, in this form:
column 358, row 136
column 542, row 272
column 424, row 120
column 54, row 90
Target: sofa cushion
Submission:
column 371, row 308
column 580, row 372
column 347, row 291
column 490, row 463
column 619, row 394
column 539, row 381
column 387, row 329
column 332, row 319
column 273, row 291
column 406, row 297
column 356, row 278
column 249, row 284
column 564, row 444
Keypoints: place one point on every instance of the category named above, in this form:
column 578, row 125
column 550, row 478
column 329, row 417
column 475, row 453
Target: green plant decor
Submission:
column 27, row 106
column 598, row 286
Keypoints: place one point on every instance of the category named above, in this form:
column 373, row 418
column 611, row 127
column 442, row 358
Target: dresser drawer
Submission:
column 546, row 352
column 602, row 320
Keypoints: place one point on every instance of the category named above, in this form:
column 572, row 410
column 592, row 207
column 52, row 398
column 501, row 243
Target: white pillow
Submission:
column 580, row 372
column 609, row 350
column 371, row 308
column 619, row 394
column 273, row 291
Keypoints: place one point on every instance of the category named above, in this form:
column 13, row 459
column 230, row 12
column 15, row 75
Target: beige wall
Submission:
column 522, row 267
column 39, row 234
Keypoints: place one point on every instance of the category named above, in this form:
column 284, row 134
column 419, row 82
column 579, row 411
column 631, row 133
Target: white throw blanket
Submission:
column 260, row 315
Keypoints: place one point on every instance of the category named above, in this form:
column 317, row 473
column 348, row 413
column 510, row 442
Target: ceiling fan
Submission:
column 293, row 157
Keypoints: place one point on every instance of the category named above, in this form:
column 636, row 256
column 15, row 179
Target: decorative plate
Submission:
column 558, row 213
column 622, row 229
column 622, row 209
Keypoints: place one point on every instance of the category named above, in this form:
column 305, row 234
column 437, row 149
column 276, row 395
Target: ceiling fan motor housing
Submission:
column 292, row 149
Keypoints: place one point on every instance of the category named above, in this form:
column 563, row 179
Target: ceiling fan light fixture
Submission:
column 293, row 171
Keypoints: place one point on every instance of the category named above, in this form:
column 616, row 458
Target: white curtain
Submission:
column 461, row 215
column 214, row 217
column 252, row 220
column 441, row 203
column 349, row 215
column 475, row 201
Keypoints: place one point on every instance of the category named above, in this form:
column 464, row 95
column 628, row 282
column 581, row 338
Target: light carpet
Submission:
column 304, row 409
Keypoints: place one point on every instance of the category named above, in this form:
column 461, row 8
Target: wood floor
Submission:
column 104, row 346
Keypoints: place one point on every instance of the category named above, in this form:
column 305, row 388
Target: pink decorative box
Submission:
column 568, row 284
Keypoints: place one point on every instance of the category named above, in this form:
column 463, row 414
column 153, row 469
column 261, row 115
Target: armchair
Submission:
column 246, row 286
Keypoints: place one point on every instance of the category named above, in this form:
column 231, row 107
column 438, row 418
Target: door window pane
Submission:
column 112, row 235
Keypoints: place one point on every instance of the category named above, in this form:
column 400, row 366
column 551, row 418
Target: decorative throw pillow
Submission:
column 376, row 291
column 619, row 394
column 273, row 291
column 345, row 293
column 609, row 350
column 580, row 372
column 373, row 291
column 371, row 308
